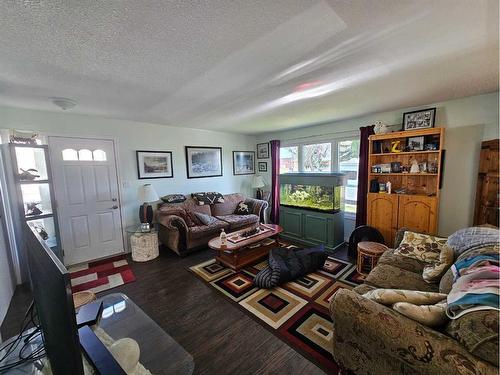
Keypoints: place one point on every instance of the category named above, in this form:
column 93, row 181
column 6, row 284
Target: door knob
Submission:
column 114, row 207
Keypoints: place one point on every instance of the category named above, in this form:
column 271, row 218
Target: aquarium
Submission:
column 312, row 197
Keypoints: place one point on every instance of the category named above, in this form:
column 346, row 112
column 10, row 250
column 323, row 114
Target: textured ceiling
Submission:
column 245, row 66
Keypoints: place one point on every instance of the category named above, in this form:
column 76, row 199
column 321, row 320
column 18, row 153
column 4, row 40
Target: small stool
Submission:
column 82, row 298
column 371, row 251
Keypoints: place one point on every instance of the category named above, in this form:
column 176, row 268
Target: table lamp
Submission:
column 258, row 183
column 147, row 194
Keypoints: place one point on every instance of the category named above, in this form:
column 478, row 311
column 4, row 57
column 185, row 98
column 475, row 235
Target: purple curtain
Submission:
column 275, row 181
column 365, row 132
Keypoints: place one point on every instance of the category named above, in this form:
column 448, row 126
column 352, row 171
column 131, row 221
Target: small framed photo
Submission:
column 416, row 143
column 243, row 162
column 262, row 166
column 203, row 161
column 421, row 119
column 263, row 150
column 154, row 164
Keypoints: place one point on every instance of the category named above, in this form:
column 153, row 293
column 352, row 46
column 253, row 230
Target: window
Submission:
column 83, row 155
column 289, row 159
column 317, row 157
column 69, row 154
column 336, row 155
column 99, row 155
column 348, row 157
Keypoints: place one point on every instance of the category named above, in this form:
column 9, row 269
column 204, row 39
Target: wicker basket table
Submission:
column 144, row 244
column 369, row 251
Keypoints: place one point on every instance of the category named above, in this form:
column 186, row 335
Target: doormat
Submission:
column 296, row 312
column 101, row 275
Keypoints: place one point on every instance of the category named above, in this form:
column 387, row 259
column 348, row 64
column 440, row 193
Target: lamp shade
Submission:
column 147, row 193
column 258, row 182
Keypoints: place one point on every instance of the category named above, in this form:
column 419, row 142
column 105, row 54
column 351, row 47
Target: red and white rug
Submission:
column 101, row 275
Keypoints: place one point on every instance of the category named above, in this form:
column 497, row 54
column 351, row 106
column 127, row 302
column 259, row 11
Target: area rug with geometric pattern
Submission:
column 297, row 312
column 101, row 275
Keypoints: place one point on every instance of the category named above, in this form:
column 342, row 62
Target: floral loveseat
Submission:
column 370, row 338
column 175, row 233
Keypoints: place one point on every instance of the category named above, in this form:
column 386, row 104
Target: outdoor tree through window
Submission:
column 317, row 157
column 289, row 159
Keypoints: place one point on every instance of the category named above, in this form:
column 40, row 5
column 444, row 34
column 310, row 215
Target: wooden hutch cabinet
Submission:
column 414, row 199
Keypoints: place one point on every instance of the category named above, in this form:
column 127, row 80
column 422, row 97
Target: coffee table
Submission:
column 237, row 255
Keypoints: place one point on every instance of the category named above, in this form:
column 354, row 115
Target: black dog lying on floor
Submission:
column 286, row 265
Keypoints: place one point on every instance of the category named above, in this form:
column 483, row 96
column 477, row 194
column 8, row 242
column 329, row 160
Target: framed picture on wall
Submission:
column 154, row 164
column 203, row 161
column 262, row 166
column 263, row 150
column 421, row 119
column 243, row 162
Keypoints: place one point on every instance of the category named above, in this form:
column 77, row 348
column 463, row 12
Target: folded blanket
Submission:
column 476, row 285
column 473, row 238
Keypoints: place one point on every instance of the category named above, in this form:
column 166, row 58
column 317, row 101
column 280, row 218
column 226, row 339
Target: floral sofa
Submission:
column 370, row 338
column 175, row 233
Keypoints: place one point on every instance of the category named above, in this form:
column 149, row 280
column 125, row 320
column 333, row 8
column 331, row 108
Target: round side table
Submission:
column 369, row 252
column 144, row 244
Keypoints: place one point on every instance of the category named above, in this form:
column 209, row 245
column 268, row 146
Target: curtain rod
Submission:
column 332, row 133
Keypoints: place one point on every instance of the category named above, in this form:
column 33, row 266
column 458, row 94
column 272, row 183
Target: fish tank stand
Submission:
column 312, row 208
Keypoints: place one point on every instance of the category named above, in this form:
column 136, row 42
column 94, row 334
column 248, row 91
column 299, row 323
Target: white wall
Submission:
column 132, row 136
column 468, row 121
column 7, row 276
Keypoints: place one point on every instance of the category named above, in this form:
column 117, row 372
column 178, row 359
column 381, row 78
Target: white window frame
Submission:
column 334, row 161
column 332, row 138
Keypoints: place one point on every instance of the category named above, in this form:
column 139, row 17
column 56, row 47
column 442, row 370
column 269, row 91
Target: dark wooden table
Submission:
column 248, row 251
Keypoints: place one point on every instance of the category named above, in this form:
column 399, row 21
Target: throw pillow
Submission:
column 433, row 272
column 244, row 208
column 392, row 296
column 208, row 198
column 205, row 219
column 173, row 198
column 422, row 247
column 473, row 238
column 191, row 216
column 428, row 315
column 183, row 214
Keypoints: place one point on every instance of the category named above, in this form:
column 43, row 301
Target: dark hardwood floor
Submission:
column 221, row 338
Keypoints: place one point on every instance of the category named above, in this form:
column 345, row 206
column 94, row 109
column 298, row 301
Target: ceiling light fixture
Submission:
column 64, row 103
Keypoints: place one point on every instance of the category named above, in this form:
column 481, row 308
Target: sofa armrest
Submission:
column 173, row 232
column 259, row 207
column 364, row 326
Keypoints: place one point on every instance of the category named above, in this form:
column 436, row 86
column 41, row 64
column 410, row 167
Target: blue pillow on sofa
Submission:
column 205, row 219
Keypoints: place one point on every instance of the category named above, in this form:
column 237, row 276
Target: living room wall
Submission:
column 131, row 136
column 468, row 121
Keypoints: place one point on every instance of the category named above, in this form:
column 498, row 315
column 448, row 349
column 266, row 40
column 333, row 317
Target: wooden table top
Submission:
column 375, row 248
column 215, row 244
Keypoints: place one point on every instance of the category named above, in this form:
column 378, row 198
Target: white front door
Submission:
column 86, row 191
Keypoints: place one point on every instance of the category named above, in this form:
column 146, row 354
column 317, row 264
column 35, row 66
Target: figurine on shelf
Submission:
column 380, row 128
column 42, row 232
column 395, row 146
column 32, row 209
column 23, row 137
column 28, row 175
column 414, row 168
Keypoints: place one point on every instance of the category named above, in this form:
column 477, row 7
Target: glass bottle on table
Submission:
column 223, row 238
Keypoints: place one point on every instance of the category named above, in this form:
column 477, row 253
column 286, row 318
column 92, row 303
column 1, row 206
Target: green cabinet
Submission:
column 311, row 227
